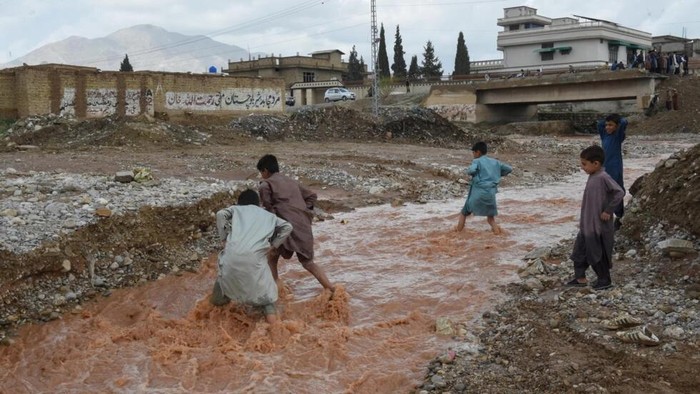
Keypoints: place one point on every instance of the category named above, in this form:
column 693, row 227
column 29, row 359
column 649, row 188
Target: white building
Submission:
column 530, row 41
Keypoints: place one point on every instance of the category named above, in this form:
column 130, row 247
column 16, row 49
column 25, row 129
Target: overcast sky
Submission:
column 288, row 27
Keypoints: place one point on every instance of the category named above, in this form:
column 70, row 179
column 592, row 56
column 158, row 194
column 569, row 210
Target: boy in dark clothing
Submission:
column 612, row 132
column 594, row 242
column 294, row 203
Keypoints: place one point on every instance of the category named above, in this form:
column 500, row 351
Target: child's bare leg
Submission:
column 460, row 223
column 319, row 274
column 273, row 257
column 494, row 227
column 270, row 313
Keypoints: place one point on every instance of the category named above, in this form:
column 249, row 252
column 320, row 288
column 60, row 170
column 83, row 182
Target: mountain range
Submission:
column 148, row 47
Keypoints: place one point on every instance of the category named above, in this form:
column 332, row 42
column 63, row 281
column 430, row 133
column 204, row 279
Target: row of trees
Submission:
column 430, row 67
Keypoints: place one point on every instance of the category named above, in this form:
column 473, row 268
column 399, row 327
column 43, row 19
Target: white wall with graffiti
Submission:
column 233, row 99
column 67, row 106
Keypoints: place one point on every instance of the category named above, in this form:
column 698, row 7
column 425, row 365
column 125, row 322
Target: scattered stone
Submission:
column 680, row 246
column 124, row 177
column 66, row 265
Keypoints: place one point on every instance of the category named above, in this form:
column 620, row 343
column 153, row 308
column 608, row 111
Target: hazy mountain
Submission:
column 149, row 48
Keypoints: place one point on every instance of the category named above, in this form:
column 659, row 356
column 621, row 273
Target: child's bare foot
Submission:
column 497, row 229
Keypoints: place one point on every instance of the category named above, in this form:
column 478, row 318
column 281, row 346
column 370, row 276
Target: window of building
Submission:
column 309, row 77
column 547, row 56
column 612, row 53
column 514, row 27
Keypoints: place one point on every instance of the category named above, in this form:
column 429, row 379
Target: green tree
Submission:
column 382, row 58
column 356, row 70
column 413, row 69
column 431, row 67
column 462, row 57
column 125, row 65
column 399, row 66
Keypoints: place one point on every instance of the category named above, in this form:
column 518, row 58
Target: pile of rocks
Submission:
column 37, row 206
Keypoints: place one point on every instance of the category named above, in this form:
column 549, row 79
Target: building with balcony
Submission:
column 532, row 41
column 307, row 77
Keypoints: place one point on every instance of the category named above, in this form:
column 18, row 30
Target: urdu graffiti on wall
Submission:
column 67, row 103
column 227, row 100
column 101, row 102
column 132, row 105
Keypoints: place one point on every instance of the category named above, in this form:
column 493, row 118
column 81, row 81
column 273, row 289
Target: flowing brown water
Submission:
column 399, row 269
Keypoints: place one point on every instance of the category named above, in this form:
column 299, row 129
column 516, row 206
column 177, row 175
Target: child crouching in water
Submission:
column 594, row 242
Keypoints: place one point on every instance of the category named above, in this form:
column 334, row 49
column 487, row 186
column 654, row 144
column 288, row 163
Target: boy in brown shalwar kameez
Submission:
column 594, row 242
column 294, row 203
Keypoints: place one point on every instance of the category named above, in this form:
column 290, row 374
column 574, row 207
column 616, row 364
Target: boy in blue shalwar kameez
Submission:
column 612, row 132
column 486, row 175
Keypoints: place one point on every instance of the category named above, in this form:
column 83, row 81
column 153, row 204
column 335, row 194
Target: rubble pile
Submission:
column 54, row 132
column 421, row 125
column 671, row 193
column 330, row 123
column 261, row 125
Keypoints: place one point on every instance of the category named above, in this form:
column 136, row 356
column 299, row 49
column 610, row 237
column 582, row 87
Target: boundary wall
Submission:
column 86, row 92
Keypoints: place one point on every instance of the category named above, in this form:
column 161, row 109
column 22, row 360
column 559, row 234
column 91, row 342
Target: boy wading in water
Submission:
column 248, row 233
column 594, row 242
column 294, row 203
column 486, row 175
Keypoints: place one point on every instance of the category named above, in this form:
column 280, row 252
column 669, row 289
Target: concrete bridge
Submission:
column 516, row 99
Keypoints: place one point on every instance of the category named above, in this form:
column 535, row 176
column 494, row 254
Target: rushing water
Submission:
column 399, row 269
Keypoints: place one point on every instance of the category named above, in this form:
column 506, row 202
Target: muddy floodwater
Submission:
column 399, row 269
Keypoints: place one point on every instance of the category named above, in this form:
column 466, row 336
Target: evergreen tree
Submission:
column 356, row 69
column 382, row 58
column 125, row 65
column 399, row 66
column 431, row 67
column 462, row 57
column 413, row 69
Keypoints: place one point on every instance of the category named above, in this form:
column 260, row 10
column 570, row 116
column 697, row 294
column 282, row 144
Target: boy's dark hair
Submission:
column 249, row 197
column 615, row 118
column 269, row 163
column 593, row 153
column 481, row 147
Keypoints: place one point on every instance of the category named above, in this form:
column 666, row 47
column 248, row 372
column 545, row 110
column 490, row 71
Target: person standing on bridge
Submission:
column 612, row 132
column 486, row 175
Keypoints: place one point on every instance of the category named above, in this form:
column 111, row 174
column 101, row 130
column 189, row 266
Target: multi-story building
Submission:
column 307, row 77
column 530, row 41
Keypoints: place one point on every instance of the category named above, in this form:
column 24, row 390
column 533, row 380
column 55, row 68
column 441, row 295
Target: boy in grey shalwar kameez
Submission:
column 594, row 242
column 249, row 233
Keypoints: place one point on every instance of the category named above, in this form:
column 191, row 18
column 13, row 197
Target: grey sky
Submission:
column 288, row 27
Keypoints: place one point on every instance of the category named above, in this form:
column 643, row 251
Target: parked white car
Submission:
column 337, row 94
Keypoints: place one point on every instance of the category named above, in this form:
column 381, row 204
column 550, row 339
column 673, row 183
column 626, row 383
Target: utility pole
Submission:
column 375, row 42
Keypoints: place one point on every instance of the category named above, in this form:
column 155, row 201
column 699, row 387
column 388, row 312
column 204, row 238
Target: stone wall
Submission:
column 8, row 108
column 88, row 93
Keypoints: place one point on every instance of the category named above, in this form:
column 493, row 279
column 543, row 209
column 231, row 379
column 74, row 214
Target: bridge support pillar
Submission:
column 505, row 112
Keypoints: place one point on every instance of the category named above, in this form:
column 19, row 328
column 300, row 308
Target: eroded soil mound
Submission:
column 57, row 133
column 149, row 243
column 670, row 193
